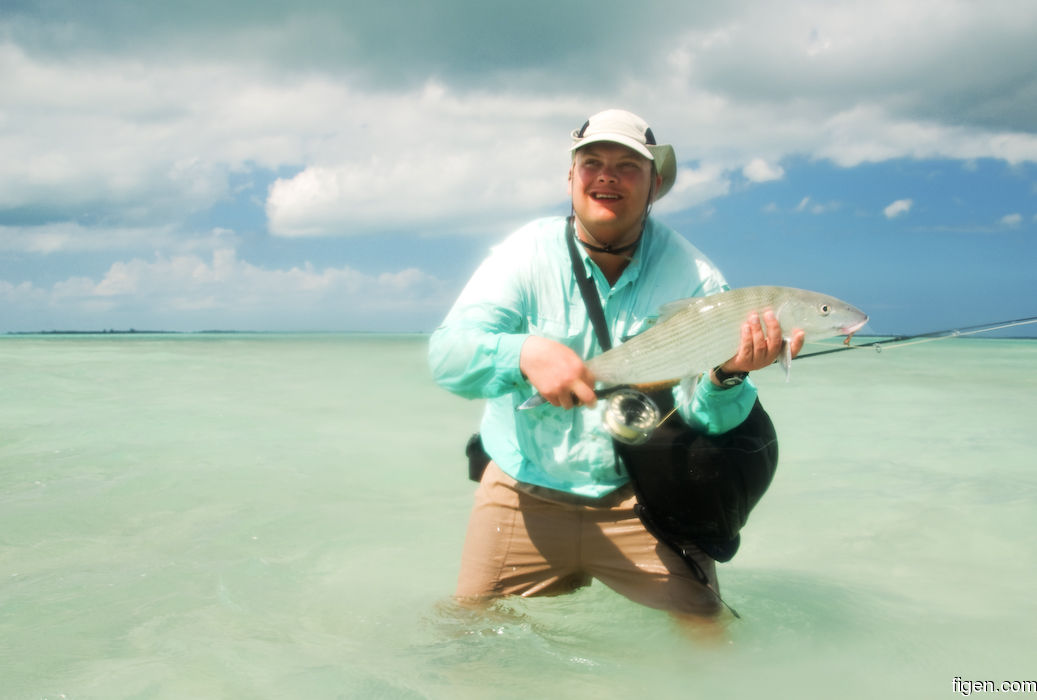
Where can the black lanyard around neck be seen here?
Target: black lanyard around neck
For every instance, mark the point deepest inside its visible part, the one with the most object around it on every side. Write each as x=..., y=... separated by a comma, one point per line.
x=588, y=289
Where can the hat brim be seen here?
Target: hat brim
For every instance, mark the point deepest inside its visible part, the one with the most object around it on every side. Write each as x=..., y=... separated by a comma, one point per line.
x=666, y=165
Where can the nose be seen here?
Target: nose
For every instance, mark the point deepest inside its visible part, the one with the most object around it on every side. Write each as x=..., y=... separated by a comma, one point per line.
x=607, y=174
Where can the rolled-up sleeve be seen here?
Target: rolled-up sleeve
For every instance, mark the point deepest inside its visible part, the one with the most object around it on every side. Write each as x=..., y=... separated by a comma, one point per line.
x=474, y=363
x=713, y=410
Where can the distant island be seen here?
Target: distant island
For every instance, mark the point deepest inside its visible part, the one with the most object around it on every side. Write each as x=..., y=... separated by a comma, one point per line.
x=134, y=331
x=885, y=337
x=114, y=331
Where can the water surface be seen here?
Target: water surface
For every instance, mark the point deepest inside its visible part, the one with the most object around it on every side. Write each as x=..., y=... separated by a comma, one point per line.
x=282, y=515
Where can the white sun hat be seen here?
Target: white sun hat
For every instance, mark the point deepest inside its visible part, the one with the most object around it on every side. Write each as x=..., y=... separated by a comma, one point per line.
x=630, y=130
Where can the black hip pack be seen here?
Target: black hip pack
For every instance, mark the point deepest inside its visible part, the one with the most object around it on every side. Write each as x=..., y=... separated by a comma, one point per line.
x=694, y=488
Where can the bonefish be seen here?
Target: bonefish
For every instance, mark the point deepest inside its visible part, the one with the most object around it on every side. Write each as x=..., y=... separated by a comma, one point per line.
x=694, y=335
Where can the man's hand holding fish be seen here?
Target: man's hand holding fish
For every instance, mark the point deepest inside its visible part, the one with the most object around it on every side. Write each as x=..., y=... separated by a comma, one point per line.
x=759, y=348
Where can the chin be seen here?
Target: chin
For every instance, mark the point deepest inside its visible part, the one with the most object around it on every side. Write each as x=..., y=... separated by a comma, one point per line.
x=599, y=216
x=608, y=225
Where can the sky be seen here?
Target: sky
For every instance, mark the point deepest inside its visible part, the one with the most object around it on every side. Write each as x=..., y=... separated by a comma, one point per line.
x=345, y=166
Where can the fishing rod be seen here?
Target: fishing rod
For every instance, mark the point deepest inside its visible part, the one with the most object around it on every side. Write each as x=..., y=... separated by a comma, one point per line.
x=902, y=340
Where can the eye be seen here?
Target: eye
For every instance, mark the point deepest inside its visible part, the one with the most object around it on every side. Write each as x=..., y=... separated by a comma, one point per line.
x=824, y=309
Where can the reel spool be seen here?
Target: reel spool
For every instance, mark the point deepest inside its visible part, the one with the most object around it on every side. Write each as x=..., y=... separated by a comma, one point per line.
x=631, y=416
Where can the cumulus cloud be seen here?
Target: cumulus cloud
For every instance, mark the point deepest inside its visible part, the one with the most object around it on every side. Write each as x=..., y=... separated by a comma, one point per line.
x=473, y=154
x=73, y=238
x=759, y=170
x=22, y=294
x=134, y=154
x=695, y=185
x=1012, y=220
x=133, y=131
x=140, y=142
x=184, y=288
x=897, y=208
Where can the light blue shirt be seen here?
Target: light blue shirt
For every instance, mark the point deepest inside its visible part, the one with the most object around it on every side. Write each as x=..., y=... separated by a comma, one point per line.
x=527, y=287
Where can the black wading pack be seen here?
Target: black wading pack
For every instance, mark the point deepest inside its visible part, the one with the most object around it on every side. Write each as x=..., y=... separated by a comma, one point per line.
x=694, y=488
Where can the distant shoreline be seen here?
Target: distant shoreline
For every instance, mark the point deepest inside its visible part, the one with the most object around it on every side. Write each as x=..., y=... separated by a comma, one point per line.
x=134, y=331
x=890, y=337
x=112, y=331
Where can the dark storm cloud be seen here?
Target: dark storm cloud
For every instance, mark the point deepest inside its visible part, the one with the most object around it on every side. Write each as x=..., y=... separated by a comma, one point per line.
x=388, y=43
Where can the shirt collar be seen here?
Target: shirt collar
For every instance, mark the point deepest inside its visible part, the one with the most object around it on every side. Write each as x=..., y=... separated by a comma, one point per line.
x=632, y=272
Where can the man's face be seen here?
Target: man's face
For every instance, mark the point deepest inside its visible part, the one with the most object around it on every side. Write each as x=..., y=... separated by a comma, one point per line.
x=609, y=184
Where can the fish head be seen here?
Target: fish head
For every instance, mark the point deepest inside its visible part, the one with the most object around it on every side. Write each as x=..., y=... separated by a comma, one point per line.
x=818, y=315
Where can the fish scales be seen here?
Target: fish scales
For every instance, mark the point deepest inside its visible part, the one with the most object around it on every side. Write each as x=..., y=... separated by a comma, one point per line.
x=705, y=333
x=702, y=332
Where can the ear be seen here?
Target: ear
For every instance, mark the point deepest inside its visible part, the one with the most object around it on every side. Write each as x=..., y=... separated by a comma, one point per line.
x=569, y=181
x=655, y=187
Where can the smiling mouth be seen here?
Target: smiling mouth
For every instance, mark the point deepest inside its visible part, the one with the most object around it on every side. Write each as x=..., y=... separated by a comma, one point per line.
x=605, y=196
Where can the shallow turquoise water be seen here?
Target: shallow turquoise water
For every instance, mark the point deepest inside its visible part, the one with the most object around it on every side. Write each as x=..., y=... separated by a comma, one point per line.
x=281, y=516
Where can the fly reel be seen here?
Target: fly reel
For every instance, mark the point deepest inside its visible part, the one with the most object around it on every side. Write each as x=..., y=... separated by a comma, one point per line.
x=631, y=416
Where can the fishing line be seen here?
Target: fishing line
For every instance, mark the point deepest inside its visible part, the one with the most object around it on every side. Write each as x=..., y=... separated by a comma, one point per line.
x=905, y=340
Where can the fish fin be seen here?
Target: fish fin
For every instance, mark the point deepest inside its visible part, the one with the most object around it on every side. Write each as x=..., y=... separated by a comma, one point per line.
x=786, y=356
x=532, y=402
x=672, y=308
x=690, y=383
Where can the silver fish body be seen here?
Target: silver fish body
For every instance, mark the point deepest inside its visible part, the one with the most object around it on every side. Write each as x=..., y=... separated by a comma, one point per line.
x=694, y=335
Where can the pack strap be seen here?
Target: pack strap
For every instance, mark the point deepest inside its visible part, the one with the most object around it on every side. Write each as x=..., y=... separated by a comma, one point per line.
x=588, y=289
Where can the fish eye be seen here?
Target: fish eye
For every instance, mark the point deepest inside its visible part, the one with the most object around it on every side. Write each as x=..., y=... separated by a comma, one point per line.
x=824, y=309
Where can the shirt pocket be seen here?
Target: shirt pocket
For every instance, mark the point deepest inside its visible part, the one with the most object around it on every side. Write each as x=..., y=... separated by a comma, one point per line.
x=562, y=331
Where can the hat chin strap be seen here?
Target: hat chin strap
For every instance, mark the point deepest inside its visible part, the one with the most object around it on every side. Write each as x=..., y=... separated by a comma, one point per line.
x=611, y=250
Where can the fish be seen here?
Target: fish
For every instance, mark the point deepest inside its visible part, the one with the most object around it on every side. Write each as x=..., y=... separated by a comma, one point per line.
x=694, y=335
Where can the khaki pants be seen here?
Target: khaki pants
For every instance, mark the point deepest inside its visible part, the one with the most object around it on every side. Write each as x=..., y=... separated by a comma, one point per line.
x=521, y=541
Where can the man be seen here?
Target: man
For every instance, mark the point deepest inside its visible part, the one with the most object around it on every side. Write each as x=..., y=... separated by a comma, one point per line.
x=554, y=509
